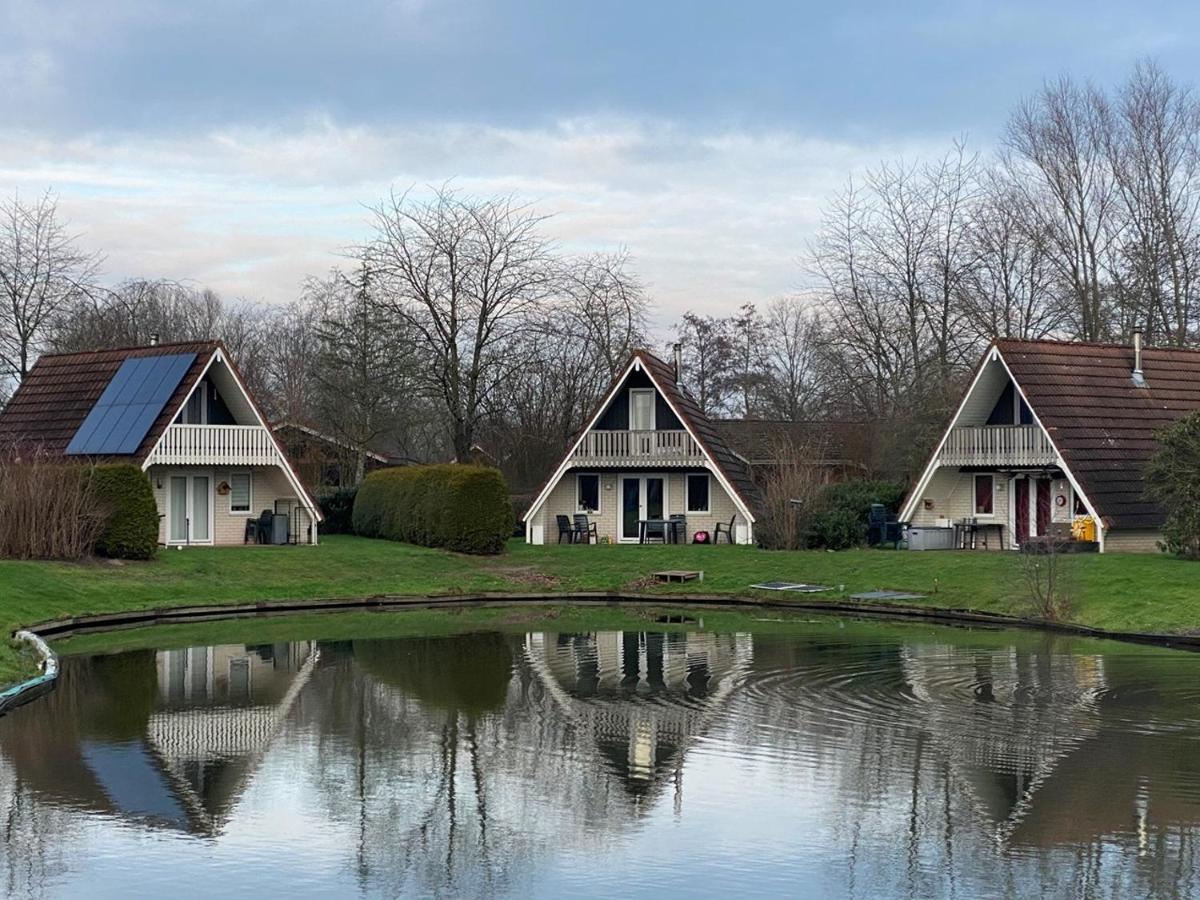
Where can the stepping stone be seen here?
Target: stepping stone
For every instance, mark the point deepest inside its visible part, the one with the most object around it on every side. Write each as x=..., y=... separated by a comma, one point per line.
x=887, y=595
x=798, y=587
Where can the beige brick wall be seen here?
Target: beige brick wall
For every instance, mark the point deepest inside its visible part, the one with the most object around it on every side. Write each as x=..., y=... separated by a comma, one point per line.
x=267, y=484
x=562, y=502
x=1132, y=541
x=953, y=496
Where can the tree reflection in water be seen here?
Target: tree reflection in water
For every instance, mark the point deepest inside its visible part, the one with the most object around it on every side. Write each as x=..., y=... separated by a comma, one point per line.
x=847, y=759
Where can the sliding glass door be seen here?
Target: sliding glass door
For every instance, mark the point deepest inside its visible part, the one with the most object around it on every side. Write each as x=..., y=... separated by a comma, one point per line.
x=189, y=509
x=642, y=497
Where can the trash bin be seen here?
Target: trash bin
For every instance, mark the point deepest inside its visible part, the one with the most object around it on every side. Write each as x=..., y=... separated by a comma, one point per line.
x=280, y=531
x=919, y=538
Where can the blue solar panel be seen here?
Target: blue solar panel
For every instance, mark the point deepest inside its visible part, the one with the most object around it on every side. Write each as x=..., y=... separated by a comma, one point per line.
x=129, y=405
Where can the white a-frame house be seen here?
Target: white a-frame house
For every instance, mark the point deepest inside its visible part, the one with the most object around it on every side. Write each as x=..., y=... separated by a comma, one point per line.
x=647, y=453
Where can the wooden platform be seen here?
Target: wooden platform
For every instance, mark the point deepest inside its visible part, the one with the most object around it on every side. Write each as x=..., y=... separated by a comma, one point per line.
x=679, y=575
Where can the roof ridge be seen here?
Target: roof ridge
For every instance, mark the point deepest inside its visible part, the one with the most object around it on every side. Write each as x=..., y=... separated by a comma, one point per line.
x=1110, y=345
x=209, y=342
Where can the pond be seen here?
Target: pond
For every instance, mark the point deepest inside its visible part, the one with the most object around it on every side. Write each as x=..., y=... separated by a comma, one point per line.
x=824, y=758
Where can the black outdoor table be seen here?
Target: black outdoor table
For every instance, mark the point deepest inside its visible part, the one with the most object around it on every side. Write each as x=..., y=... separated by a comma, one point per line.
x=670, y=529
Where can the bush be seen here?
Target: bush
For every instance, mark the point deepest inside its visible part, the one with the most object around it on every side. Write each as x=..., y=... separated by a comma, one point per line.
x=1173, y=481
x=465, y=508
x=125, y=500
x=337, y=506
x=46, y=510
x=843, y=510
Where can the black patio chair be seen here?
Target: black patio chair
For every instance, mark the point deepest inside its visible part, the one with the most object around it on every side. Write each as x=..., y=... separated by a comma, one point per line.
x=678, y=528
x=565, y=528
x=724, y=529
x=654, y=530
x=266, y=521
x=585, y=530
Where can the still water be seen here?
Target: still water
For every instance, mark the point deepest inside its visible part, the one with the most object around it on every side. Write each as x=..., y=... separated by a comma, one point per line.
x=839, y=759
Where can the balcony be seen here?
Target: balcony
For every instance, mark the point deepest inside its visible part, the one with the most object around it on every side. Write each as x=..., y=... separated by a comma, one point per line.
x=207, y=445
x=997, y=445
x=638, y=448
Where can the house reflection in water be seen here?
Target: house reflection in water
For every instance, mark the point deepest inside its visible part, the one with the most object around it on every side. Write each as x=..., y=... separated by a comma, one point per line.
x=168, y=738
x=640, y=698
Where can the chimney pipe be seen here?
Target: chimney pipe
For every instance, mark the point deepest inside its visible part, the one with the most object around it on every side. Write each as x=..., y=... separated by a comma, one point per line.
x=678, y=363
x=154, y=339
x=1138, y=376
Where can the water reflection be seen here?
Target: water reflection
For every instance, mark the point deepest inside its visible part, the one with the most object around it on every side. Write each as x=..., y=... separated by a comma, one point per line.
x=848, y=760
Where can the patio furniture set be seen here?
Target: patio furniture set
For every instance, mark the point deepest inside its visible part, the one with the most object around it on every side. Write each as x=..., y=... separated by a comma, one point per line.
x=672, y=530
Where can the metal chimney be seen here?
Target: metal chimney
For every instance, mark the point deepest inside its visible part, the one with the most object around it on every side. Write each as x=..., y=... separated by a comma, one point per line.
x=678, y=363
x=1138, y=376
x=154, y=339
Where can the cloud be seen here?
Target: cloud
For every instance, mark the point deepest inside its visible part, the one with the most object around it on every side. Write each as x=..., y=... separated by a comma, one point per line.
x=713, y=218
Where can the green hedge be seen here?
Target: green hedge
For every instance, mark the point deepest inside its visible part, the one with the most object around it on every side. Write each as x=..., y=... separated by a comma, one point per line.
x=337, y=506
x=844, y=508
x=464, y=508
x=125, y=499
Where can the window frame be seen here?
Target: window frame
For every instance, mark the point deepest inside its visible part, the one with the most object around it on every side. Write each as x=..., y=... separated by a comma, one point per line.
x=579, y=510
x=687, y=493
x=653, y=408
x=249, y=492
x=990, y=514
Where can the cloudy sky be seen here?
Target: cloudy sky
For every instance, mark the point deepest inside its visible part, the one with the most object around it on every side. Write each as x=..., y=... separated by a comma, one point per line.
x=235, y=143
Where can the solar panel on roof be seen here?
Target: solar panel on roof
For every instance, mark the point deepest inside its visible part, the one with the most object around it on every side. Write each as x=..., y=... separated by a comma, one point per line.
x=129, y=405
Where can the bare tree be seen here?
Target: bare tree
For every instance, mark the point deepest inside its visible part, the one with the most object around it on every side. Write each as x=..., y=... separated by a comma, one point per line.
x=1054, y=153
x=707, y=351
x=364, y=364
x=464, y=274
x=42, y=273
x=608, y=307
x=793, y=346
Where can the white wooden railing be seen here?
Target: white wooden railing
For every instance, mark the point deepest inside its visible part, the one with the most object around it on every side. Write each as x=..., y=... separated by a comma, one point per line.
x=239, y=445
x=997, y=445
x=656, y=447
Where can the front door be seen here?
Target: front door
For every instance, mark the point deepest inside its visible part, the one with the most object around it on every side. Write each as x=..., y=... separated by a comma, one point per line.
x=1031, y=507
x=189, y=509
x=642, y=497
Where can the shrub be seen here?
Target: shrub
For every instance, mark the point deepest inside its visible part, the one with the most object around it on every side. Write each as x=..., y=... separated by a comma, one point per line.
x=123, y=496
x=465, y=508
x=1173, y=481
x=841, y=520
x=47, y=510
x=337, y=506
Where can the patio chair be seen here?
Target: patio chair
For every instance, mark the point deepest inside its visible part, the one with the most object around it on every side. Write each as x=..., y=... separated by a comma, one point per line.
x=585, y=530
x=724, y=529
x=265, y=522
x=678, y=528
x=654, y=530
x=565, y=528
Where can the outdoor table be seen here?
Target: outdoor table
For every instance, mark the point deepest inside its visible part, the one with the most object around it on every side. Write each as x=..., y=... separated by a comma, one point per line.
x=670, y=529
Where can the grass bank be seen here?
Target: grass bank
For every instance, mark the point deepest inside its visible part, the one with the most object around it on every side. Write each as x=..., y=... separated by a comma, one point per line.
x=1117, y=592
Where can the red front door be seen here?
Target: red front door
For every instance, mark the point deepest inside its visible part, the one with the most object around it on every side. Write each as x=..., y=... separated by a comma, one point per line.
x=1022, y=511
x=1043, y=507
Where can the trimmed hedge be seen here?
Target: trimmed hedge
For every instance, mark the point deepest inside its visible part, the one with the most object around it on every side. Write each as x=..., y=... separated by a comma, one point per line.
x=464, y=508
x=337, y=506
x=122, y=493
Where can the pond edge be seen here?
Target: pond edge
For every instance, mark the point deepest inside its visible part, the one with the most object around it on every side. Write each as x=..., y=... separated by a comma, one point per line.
x=31, y=688
x=65, y=627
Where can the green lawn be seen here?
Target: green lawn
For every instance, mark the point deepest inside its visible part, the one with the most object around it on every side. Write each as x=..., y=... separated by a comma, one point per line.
x=1133, y=593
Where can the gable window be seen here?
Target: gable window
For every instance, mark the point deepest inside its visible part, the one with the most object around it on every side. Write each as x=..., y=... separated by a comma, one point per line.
x=195, y=411
x=641, y=409
x=984, y=495
x=239, y=492
x=587, y=493
x=697, y=493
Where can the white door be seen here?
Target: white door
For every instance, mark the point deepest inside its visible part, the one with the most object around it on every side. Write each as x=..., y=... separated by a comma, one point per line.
x=189, y=509
x=642, y=497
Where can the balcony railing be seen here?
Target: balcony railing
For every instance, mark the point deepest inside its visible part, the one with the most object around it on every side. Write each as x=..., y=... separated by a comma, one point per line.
x=997, y=445
x=235, y=445
x=660, y=448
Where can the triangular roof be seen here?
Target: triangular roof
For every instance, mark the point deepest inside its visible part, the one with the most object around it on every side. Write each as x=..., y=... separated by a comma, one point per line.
x=729, y=468
x=1099, y=419
x=60, y=390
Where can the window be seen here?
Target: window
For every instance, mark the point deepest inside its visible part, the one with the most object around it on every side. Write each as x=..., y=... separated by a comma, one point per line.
x=587, y=493
x=641, y=409
x=984, y=495
x=239, y=492
x=195, y=410
x=697, y=493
